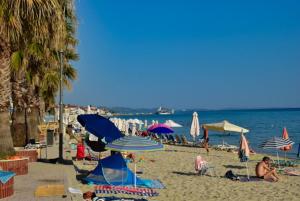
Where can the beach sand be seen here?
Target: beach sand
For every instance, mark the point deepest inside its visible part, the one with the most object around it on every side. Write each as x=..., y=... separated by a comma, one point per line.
x=174, y=167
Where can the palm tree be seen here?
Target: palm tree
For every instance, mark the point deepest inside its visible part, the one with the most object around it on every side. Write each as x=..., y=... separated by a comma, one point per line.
x=21, y=23
x=44, y=82
x=6, y=144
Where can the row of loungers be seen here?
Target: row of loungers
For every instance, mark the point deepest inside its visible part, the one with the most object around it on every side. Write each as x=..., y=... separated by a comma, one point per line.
x=175, y=140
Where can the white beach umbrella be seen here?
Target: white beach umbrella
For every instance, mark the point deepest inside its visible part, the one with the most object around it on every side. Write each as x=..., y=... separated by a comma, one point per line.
x=156, y=122
x=195, y=128
x=124, y=125
x=173, y=124
x=145, y=124
x=133, y=130
x=126, y=128
x=131, y=121
x=120, y=124
x=137, y=121
x=225, y=126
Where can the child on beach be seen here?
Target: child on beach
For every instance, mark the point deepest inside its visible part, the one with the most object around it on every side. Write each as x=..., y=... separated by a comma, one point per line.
x=200, y=165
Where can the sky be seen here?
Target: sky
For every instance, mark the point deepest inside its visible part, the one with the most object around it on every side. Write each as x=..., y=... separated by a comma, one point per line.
x=187, y=54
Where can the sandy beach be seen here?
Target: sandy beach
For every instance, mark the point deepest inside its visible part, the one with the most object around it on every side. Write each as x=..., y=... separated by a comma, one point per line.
x=174, y=167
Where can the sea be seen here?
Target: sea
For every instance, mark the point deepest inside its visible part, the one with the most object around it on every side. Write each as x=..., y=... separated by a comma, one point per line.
x=262, y=123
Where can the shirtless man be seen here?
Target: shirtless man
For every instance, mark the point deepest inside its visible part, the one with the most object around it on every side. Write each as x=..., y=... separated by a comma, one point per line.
x=264, y=171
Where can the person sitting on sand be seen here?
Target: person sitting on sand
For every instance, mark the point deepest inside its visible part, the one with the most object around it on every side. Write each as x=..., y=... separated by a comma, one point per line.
x=264, y=171
x=200, y=165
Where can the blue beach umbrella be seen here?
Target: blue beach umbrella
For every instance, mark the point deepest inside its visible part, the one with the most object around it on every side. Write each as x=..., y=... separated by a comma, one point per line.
x=134, y=144
x=99, y=126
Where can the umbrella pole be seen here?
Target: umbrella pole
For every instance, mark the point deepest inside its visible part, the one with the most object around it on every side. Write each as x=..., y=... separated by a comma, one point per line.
x=278, y=160
x=134, y=174
x=285, y=156
x=247, y=171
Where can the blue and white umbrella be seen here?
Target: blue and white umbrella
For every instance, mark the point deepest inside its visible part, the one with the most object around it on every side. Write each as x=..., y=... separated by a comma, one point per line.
x=134, y=144
x=276, y=143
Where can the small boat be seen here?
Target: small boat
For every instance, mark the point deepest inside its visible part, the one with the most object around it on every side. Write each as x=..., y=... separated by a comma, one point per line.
x=164, y=111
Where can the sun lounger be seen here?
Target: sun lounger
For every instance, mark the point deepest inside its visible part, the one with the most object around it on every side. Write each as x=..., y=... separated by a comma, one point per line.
x=178, y=140
x=185, y=141
x=172, y=139
x=199, y=143
x=164, y=138
x=91, y=155
x=226, y=147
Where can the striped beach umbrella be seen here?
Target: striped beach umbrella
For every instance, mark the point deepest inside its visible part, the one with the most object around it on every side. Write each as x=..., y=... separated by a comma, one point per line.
x=134, y=144
x=276, y=143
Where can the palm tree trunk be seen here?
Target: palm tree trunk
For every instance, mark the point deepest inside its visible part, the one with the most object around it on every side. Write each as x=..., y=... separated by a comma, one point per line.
x=6, y=143
x=18, y=128
x=32, y=122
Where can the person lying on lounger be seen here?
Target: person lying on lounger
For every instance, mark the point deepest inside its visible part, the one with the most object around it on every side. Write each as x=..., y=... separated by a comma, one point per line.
x=264, y=171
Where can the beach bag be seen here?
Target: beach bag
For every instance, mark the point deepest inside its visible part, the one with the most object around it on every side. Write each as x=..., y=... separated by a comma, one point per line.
x=230, y=175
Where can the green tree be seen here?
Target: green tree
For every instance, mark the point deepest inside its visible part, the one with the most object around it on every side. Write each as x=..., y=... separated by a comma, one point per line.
x=22, y=23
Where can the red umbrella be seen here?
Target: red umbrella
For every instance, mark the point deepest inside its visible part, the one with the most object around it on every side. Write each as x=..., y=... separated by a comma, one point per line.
x=285, y=135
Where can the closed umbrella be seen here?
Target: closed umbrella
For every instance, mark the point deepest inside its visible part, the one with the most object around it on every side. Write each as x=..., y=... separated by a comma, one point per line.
x=195, y=128
x=126, y=128
x=133, y=130
x=276, y=143
x=285, y=135
x=146, y=124
x=244, y=152
x=134, y=144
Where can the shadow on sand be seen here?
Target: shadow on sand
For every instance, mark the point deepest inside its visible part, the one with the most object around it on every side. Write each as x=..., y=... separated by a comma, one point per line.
x=235, y=166
x=56, y=161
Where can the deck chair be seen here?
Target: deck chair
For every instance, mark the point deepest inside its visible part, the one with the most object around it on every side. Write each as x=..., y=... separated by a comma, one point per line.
x=164, y=138
x=171, y=139
x=92, y=155
x=178, y=140
x=185, y=141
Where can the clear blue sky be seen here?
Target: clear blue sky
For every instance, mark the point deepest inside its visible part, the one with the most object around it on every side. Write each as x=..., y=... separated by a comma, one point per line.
x=187, y=54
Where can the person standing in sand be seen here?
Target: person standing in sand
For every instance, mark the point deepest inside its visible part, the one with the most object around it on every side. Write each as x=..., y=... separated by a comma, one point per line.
x=264, y=171
x=206, y=139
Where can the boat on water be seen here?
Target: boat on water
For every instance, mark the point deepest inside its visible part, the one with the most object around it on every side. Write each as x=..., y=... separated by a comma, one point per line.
x=164, y=111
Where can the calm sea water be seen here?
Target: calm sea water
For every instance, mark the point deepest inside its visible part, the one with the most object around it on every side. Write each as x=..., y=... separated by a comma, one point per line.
x=263, y=124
